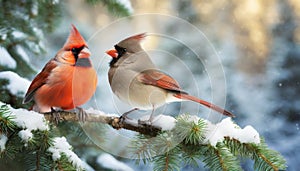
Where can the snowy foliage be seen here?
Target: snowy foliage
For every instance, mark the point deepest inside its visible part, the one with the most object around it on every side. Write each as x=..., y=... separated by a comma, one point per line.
x=214, y=133
x=227, y=128
x=6, y=59
x=29, y=123
x=22, y=52
x=3, y=140
x=25, y=135
x=29, y=120
x=16, y=84
x=61, y=146
x=126, y=4
x=109, y=162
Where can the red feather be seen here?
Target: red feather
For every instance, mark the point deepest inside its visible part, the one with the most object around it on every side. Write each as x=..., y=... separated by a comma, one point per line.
x=205, y=103
x=39, y=80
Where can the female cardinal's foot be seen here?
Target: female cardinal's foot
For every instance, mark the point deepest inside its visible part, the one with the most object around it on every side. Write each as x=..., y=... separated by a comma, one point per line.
x=82, y=115
x=124, y=116
x=149, y=121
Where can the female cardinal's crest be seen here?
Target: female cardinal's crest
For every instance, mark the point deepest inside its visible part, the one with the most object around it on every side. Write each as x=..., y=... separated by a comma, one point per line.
x=74, y=39
x=139, y=36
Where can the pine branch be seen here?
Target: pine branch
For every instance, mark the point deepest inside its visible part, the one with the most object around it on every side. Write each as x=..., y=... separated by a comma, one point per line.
x=185, y=143
x=113, y=121
x=264, y=158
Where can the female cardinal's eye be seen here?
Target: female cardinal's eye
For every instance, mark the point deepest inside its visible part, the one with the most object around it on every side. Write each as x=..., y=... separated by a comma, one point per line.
x=120, y=50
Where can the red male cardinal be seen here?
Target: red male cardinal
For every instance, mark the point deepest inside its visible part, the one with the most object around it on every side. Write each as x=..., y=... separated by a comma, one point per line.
x=135, y=79
x=67, y=81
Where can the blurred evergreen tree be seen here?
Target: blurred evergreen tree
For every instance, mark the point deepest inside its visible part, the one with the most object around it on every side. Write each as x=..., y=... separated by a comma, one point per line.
x=287, y=53
x=23, y=26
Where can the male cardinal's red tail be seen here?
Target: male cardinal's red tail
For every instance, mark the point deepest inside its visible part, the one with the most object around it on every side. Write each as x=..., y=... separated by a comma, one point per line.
x=205, y=103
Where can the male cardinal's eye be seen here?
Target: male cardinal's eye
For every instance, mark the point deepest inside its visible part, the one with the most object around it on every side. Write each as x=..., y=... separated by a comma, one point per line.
x=76, y=51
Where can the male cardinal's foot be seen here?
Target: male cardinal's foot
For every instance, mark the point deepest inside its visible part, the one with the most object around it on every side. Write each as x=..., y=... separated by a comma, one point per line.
x=124, y=116
x=55, y=115
x=82, y=115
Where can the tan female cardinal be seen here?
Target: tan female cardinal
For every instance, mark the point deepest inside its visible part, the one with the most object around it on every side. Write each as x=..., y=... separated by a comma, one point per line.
x=67, y=81
x=134, y=79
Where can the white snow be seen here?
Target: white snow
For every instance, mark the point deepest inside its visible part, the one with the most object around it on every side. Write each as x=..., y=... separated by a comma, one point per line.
x=25, y=135
x=109, y=162
x=3, y=35
x=86, y=166
x=227, y=128
x=3, y=140
x=34, y=9
x=29, y=120
x=6, y=59
x=60, y=145
x=22, y=53
x=193, y=118
x=98, y=112
x=164, y=121
x=19, y=35
x=16, y=83
x=127, y=5
x=55, y=1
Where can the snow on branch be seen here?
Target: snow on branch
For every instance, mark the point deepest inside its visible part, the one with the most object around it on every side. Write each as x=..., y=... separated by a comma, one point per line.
x=112, y=120
x=215, y=132
x=221, y=143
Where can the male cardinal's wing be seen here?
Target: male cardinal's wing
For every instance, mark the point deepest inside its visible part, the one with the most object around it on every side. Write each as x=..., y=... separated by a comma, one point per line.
x=159, y=79
x=39, y=80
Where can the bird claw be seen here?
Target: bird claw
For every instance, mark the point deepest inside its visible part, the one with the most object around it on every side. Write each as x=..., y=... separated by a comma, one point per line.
x=147, y=122
x=124, y=116
x=55, y=115
x=82, y=115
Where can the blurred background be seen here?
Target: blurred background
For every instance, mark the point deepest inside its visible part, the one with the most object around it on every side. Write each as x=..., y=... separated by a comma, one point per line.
x=243, y=55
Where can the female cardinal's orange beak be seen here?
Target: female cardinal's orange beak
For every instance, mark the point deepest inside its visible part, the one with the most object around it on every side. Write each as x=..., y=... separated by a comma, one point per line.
x=113, y=53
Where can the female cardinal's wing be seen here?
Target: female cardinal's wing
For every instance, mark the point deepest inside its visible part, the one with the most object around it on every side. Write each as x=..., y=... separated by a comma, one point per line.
x=39, y=80
x=159, y=79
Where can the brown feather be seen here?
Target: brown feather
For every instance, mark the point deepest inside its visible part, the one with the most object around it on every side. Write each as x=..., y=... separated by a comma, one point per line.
x=159, y=79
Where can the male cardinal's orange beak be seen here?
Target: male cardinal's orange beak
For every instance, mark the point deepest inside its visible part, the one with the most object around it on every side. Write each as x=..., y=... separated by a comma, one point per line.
x=113, y=53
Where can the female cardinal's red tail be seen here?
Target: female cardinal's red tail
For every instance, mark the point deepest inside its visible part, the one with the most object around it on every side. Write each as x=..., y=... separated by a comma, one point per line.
x=205, y=103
